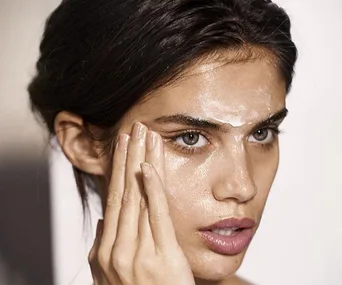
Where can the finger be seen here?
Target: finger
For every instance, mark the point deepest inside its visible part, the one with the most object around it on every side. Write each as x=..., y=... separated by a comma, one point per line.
x=114, y=198
x=95, y=247
x=92, y=257
x=130, y=209
x=97, y=272
x=146, y=242
x=155, y=153
x=159, y=216
x=155, y=156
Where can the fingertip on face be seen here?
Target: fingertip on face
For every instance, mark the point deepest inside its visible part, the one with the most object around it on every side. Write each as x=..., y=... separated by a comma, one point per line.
x=139, y=130
x=122, y=142
x=141, y=139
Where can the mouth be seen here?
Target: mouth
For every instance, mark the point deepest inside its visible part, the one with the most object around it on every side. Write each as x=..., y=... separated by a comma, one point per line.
x=230, y=236
x=227, y=231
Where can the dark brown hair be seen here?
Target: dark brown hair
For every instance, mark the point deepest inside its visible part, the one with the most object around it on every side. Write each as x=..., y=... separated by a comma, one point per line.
x=99, y=57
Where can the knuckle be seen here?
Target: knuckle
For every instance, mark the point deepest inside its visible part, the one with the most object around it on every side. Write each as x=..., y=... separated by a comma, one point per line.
x=156, y=218
x=103, y=257
x=120, y=263
x=131, y=155
x=114, y=198
x=145, y=265
x=119, y=166
x=128, y=197
x=91, y=256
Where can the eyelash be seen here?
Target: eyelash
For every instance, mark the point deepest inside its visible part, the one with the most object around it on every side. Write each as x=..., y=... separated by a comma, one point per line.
x=192, y=150
x=189, y=150
x=268, y=146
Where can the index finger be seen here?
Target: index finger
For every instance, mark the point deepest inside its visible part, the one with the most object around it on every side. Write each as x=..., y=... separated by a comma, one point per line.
x=115, y=192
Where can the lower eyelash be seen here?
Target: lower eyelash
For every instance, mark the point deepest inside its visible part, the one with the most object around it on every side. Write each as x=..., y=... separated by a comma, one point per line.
x=268, y=146
x=193, y=150
x=271, y=145
x=187, y=150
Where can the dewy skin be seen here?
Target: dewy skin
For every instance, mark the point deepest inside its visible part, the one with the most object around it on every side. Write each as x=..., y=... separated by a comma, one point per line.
x=218, y=185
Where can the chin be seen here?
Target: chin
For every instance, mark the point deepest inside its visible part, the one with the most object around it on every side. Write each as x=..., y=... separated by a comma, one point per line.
x=216, y=267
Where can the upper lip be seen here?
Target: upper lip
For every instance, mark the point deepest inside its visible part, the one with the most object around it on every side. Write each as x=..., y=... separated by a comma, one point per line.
x=244, y=223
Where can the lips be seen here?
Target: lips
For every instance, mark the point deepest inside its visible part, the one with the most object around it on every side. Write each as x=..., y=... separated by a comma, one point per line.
x=230, y=236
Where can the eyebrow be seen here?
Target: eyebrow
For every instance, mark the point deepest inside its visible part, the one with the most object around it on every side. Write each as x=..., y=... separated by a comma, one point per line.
x=190, y=121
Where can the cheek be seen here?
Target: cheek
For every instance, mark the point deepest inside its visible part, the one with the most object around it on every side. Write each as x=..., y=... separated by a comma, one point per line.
x=189, y=181
x=187, y=186
x=265, y=166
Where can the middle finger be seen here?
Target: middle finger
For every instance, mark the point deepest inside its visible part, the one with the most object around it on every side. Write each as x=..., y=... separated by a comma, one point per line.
x=129, y=216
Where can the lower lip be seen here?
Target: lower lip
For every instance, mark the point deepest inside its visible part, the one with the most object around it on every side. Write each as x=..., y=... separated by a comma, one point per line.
x=228, y=245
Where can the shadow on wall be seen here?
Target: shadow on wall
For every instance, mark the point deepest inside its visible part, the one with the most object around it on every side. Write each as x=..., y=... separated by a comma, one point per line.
x=25, y=240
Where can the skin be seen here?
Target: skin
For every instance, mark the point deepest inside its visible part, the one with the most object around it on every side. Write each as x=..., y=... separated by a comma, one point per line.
x=227, y=173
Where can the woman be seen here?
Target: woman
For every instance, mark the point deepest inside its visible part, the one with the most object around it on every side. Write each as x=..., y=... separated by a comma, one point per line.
x=171, y=111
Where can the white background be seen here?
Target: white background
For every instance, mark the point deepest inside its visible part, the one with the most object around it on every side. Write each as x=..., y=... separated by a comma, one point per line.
x=299, y=241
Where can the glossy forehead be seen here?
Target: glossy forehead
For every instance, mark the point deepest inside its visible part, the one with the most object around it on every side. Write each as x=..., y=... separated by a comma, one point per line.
x=216, y=88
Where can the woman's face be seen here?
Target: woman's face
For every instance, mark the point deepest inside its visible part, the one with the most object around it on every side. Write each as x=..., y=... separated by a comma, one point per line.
x=219, y=124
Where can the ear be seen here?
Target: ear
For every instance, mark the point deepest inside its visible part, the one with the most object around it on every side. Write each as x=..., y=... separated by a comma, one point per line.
x=82, y=151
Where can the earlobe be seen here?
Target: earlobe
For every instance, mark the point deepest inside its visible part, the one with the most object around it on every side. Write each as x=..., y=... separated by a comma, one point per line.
x=80, y=149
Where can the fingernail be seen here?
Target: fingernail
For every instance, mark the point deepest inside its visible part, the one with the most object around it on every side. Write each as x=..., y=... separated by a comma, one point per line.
x=146, y=170
x=151, y=140
x=123, y=142
x=138, y=130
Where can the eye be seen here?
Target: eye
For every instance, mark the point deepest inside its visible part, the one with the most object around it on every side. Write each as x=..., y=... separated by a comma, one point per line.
x=191, y=140
x=263, y=136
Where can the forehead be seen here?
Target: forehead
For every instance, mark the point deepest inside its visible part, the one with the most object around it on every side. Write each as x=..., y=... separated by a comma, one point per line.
x=216, y=90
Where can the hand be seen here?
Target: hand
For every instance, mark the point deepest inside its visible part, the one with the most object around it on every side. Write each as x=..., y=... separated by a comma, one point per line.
x=136, y=242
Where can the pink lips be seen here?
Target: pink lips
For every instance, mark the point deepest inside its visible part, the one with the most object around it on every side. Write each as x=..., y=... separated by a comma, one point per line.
x=232, y=244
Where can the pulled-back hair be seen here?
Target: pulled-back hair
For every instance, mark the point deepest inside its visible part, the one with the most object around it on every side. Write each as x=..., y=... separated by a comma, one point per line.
x=100, y=57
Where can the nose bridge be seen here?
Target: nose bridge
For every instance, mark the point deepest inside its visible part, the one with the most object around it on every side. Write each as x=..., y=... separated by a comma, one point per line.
x=236, y=180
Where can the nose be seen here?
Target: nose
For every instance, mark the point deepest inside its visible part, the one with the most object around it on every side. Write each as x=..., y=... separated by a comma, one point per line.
x=234, y=179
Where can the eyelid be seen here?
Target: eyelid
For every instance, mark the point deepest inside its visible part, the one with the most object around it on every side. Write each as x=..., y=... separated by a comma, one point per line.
x=265, y=146
x=179, y=133
x=273, y=126
x=200, y=132
x=274, y=129
x=270, y=121
x=189, y=149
